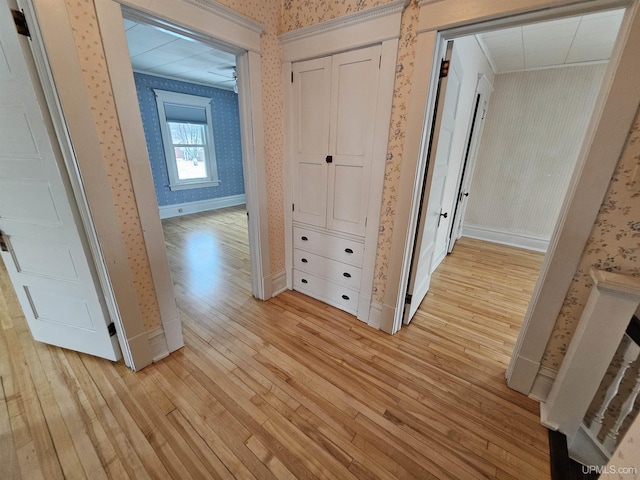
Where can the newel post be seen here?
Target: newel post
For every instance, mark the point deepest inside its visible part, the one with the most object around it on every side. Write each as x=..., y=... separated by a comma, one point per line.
x=613, y=300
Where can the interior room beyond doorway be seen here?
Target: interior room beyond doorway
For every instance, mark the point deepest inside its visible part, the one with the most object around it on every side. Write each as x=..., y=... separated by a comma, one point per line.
x=510, y=164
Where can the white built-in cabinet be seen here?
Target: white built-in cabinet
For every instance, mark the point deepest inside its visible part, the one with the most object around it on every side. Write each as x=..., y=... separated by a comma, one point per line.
x=334, y=106
x=338, y=79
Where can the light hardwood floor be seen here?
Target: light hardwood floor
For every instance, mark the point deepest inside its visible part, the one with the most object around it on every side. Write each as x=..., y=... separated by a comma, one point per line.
x=289, y=388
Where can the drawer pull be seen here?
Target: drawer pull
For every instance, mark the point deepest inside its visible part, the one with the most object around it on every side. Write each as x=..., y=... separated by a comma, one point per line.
x=304, y=280
x=304, y=239
x=348, y=250
x=304, y=260
x=345, y=297
x=346, y=274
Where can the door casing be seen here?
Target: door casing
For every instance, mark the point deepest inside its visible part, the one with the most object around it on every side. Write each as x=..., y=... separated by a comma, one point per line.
x=612, y=119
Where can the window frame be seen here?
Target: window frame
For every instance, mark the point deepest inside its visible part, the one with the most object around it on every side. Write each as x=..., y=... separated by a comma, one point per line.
x=163, y=98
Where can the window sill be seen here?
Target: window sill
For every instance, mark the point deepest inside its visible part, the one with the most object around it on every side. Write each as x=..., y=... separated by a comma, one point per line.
x=190, y=185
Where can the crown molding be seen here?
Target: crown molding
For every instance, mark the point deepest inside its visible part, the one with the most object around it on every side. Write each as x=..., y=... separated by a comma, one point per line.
x=228, y=14
x=369, y=14
x=373, y=25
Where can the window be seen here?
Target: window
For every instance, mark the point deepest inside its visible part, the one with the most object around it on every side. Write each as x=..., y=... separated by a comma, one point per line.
x=187, y=134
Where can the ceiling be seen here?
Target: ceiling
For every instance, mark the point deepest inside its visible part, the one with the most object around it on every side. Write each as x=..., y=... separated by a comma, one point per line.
x=567, y=41
x=166, y=54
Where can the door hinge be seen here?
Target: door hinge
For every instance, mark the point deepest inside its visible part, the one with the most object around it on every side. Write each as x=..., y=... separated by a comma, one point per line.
x=407, y=298
x=444, y=68
x=291, y=77
x=293, y=207
x=21, y=22
x=112, y=329
x=379, y=62
x=3, y=242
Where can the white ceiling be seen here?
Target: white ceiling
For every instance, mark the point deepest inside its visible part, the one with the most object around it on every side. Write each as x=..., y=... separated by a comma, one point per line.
x=567, y=41
x=166, y=54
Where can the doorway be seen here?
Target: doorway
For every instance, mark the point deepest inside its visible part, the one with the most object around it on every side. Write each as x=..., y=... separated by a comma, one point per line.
x=188, y=96
x=491, y=178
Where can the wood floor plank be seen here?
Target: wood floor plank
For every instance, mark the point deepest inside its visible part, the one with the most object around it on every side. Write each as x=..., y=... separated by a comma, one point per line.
x=283, y=389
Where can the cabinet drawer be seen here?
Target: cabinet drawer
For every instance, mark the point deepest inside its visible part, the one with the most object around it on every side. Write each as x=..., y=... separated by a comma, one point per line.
x=336, y=248
x=337, y=272
x=337, y=295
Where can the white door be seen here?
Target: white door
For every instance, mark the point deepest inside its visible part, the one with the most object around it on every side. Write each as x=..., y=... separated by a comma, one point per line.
x=353, y=110
x=437, y=169
x=443, y=160
x=334, y=104
x=43, y=247
x=483, y=92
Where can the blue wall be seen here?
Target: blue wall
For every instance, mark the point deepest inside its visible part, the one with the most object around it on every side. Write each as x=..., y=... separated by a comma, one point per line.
x=226, y=136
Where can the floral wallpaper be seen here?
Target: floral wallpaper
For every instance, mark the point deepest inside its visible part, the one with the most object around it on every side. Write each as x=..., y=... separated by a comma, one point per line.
x=614, y=245
x=82, y=16
x=301, y=13
x=625, y=462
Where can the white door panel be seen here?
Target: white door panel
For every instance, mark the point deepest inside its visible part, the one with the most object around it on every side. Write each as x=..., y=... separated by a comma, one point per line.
x=311, y=107
x=424, y=258
x=44, y=251
x=353, y=107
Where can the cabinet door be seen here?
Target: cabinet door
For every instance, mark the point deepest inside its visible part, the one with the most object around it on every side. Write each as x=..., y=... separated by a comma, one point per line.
x=310, y=125
x=354, y=91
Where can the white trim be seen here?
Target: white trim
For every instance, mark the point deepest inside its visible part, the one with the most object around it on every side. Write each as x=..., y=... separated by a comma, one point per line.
x=278, y=283
x=463, y=15
x=204, y=20
x=348, y=32
x=504, y=237
x=254, y=166
x=164, y=97
x=542, y=384
x=228, y=14
x=355, y=31
x=389, y=58
x=158, y=344
x=187, y=208
x=375, y=315
x=68, y=79
x=111, y=24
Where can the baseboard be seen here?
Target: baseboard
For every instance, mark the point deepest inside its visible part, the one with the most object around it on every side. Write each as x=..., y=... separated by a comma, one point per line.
x=158, y=344
x=542, y=384
x=178, y=209
x=278, y=283
x=375, y=315
x=495, y=235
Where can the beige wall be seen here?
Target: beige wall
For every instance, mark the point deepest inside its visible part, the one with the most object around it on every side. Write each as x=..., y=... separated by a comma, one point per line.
x=617, y=224
x=535, y=127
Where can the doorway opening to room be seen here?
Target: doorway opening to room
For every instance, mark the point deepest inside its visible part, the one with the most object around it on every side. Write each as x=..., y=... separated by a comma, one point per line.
x=188, y=97
x=512, y=110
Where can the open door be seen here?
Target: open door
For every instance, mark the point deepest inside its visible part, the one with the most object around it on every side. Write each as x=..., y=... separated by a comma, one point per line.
x=443, y=124
x=44, y=247
x=483, y=92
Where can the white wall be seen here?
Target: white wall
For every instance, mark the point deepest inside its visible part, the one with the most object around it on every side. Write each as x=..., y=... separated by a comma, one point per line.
x=474, y=63
x=533, y=132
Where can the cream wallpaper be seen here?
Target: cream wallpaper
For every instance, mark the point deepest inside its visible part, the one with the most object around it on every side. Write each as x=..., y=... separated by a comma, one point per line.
x=82, y=16
x=614, y=245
